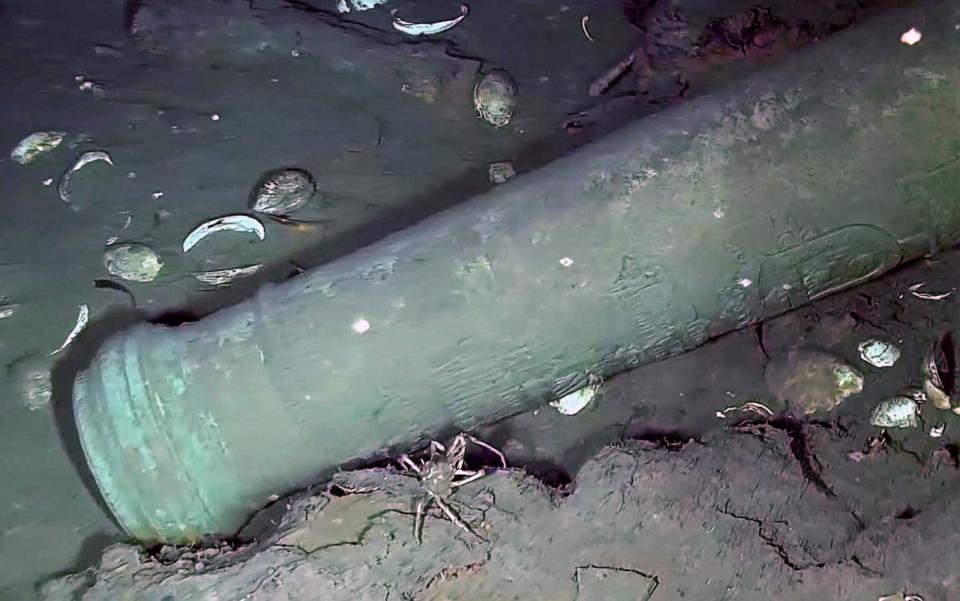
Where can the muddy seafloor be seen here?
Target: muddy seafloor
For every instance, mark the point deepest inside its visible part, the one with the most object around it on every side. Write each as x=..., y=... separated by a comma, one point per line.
x=207, y=96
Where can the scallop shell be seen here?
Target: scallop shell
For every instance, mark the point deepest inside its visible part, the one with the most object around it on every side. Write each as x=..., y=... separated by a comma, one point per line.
x=495, y=96
x=132, y=262
x=282, y=191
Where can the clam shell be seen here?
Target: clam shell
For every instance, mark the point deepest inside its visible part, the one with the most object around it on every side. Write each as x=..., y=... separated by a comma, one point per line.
x=576, y=401
x=132, y=262
x=282, y=191
x=898, y=412
x=36, y=144
x=495, y=96
x=879, y=353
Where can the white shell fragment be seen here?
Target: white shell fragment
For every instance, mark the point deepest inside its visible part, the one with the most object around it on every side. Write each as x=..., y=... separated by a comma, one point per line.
x=576, y=401
x=36, y=144
x=82, y=318
x=901, y=597
x=63, y=189
x=220, y=277
x=8, y=309
x=419, y=29
x=933, y=388
x=228, y=223
x=748, y=407
x=911, y=36
x=90, y=157
x=132, y=262
x=915, y=290
x=360, y=326
x=346, y=6
x=878, y=353
x=898, y=412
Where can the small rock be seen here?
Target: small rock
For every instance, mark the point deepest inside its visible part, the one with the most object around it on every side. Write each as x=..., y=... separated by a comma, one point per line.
x=32, y=379
x=811, y=380
x=95, y=88
x=107, y=50
x=426, y=88
x=501, y=171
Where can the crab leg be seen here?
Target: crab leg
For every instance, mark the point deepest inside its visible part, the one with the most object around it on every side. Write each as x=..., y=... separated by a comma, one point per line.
x=490, y=448
x=418, y=522
x=473, y=476
x=452, y=516
x=408, y=463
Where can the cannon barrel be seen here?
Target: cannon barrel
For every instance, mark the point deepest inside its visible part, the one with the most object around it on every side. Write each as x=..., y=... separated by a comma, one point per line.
x=827, y=169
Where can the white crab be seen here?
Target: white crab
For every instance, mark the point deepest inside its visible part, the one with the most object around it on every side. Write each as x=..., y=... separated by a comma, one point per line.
x=441, y=475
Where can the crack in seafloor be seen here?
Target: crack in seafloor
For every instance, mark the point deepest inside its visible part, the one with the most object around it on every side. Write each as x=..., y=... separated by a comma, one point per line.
x=769, y=540
x=653, y=578
x=805, y=457
x=785, y=558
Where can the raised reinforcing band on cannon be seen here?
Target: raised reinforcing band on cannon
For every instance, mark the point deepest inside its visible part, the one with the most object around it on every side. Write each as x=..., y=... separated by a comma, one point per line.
x=829, y=168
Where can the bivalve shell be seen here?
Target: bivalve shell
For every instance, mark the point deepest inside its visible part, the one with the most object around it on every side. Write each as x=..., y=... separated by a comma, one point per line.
x=879, y=353
x=132, y=262
x=282, y=191
x=495, y=97
x=898, y=412
x=35, y=145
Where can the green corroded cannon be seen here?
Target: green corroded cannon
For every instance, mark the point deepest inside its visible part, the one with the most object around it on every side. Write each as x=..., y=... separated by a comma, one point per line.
x=832, y=167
